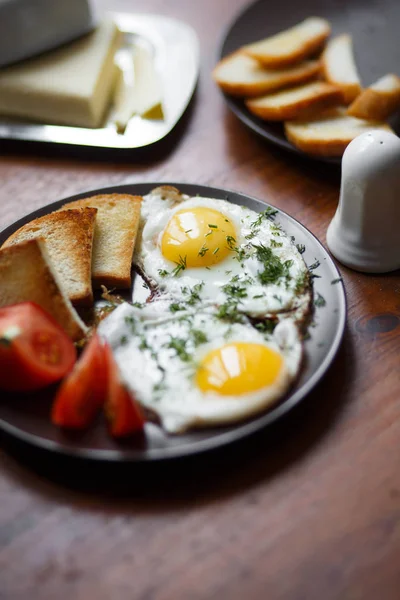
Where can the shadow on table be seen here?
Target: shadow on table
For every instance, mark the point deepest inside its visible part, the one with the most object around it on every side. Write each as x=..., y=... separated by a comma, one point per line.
x=300, y=163
x=199, y=479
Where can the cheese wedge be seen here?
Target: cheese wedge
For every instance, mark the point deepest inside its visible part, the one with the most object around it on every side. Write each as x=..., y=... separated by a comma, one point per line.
x=290, y=46
x=71, y=85
x=330, y=133
x=139, y=89
x=241, y=75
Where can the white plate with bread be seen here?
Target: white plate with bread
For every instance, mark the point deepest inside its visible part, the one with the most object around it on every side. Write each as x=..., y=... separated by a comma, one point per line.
x=60, y=255
x=310, y=77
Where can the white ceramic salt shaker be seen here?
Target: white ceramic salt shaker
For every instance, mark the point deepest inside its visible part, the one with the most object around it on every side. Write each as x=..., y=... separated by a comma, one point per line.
x=364, y=234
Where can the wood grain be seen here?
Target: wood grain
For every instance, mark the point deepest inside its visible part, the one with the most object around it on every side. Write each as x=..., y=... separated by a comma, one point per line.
x=309, y=511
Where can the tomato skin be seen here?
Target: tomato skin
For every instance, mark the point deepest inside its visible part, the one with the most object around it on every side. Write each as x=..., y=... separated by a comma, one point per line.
x=82, y=394
x=34, y=350
x=123, y=414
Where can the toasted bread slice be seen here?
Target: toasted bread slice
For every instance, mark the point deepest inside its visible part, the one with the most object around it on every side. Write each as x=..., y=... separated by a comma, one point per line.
x=27, y=275
x=330, y=133
x=117, y=223
x=69, y=239
x=292, y=45
x=378, y=101
x=295, y=102
x=241, y=75
x=339, y=67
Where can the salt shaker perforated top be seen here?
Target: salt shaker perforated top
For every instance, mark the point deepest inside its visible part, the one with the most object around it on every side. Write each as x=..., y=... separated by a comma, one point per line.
x=364, y=234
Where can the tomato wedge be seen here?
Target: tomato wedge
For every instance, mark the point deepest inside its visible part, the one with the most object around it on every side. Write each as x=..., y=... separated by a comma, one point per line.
x=83, y=392
x=34, y=350
x=123, y=414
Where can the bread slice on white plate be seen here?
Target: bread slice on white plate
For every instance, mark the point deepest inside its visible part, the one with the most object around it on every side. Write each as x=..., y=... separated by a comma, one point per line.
x=243, y=76
x=379, y=100
x=117, y=223
x=306, y=99
x=292, y=45
x=330, y=133
x=27, y=275
x=69, y=239
x=339, y=67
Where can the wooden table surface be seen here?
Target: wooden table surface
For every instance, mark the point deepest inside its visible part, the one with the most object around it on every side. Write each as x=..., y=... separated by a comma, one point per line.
x=311, y=509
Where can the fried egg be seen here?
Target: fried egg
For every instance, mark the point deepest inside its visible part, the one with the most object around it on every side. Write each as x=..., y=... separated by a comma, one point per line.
x=203, y=250
x=196, y=370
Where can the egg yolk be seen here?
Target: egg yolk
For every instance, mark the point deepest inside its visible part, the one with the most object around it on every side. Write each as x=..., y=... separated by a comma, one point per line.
x=200, y=236
x=238, y=368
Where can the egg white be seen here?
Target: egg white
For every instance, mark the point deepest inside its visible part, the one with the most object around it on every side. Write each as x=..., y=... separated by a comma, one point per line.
x=164, y=383
x=261, y=299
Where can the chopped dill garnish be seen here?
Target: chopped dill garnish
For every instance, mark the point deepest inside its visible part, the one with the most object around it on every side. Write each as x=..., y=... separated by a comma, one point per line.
x=138, y=304
x=179, y=345
x=274, y=269
x=240, y=253
x=213, y=226
x=234, y=291
x=275, y=244
x=268, y=213
x=229, y=312
x=301, y=283
x=175, y=306
x=276, y=229
x=194, y=294
x=129, y=320
x=266, y=326
x=301, y=248
x=203, y=250
x=209, y=233
x=180, y=266
x=258, y=296
x=319, y=300
x=124, y=340
x=188, y=230
x=338, y=280
x=230, y=240
x=216, y=250
x=198, y=336
x=143, y=343
x=314, y=266
x=163, y=272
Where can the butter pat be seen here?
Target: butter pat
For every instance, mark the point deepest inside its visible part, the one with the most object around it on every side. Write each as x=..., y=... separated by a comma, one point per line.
x=71, y=85
x=139, y=89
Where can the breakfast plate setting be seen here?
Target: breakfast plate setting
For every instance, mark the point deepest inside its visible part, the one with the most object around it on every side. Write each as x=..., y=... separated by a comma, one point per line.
x=232, y=313
x=199, y=299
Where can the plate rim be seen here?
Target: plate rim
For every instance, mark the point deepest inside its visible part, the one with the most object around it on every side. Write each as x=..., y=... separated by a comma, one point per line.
x=239, y=431
x=245, y=117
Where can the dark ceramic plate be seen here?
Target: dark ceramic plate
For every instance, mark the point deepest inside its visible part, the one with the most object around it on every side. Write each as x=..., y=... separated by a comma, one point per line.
x=27, y=418
x=373, y=26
